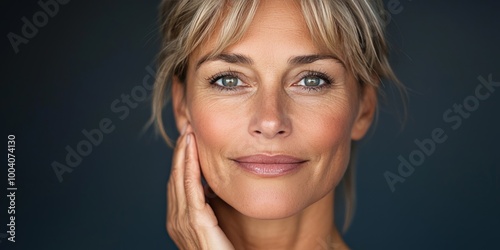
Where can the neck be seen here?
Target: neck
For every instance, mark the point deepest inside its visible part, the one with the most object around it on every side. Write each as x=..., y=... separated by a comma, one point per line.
x=312, y=228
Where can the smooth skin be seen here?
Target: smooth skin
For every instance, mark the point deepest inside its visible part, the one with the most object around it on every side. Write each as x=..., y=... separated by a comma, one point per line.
x=271, y=103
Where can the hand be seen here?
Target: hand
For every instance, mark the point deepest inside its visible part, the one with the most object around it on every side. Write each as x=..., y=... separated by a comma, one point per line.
x=191, y=222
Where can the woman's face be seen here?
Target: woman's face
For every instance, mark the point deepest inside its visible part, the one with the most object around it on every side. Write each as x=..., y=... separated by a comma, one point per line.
x=273, y=116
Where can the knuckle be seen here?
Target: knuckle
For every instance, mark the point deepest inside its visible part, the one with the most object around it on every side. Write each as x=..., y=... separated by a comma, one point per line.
x=188, y=160
x=175, y=173
x=188, y=183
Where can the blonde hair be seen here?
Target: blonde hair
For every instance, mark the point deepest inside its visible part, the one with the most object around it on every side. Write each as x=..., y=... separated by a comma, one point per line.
x=353, y=29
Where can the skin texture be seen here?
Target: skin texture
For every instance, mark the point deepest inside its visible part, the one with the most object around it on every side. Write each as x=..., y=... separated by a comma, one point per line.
x=269, y=112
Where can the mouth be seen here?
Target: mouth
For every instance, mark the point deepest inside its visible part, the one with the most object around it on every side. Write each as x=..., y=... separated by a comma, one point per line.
x=270, y=166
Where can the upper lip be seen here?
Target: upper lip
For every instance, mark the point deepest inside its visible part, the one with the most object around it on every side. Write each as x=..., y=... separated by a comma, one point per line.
x=269, y=159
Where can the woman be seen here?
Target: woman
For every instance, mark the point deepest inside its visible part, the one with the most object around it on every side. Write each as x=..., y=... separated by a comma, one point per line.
x=269, y=97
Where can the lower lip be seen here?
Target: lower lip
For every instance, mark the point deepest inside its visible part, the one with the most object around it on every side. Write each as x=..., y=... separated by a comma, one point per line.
x=270, y=170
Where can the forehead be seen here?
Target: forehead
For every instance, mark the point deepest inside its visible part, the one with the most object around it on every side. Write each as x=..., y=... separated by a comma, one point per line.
x=275, y=22
x=279, y=15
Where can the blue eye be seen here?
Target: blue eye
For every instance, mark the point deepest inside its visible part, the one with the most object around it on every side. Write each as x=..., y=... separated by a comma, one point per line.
x=315, y=80
x=312, y=81
x=228, y=81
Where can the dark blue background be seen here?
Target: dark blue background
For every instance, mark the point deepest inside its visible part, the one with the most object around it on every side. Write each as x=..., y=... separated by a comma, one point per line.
x=91, y=52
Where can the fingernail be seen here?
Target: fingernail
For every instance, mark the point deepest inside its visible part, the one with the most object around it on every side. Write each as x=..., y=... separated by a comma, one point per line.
x=188, y=139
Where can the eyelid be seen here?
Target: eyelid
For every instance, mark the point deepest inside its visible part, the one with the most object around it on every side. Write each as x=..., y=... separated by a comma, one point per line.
x=212, y=79
x=323, y=75
x=329, y=81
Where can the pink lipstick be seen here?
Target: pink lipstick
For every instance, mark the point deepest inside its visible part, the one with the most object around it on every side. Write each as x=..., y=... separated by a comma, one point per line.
x=270, y=166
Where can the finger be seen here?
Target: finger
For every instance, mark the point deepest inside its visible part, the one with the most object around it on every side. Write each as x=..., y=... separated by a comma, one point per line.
x=179, y=151
x=176, y=201
x=176, y=181
x=192, y=176
x=172, y=200
x=171, y=209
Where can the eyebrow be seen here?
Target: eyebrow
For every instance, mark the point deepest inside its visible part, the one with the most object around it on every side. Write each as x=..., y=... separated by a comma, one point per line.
x=229, y=58
x=242, y=59
x=298, y=60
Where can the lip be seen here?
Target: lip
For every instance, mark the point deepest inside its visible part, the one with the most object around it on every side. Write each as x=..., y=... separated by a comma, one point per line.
x=270, y=165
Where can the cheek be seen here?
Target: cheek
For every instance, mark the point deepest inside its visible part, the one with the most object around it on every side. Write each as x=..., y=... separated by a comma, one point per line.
x=326, y=131
x=325, y=125
x=216, y=128
x=215, y=121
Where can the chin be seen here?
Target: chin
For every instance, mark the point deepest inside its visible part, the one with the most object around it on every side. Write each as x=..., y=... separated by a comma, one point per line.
x=267, y=208
x=268, y=199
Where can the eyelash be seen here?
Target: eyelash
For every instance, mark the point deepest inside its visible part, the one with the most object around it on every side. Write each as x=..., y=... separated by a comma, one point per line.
x=220, y=75
x=329, y=81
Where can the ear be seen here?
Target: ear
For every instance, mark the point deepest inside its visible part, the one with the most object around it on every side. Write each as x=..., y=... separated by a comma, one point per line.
x=179, y=103
x=366, y=112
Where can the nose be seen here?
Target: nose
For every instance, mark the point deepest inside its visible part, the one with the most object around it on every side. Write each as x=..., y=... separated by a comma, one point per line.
x=270, y=117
